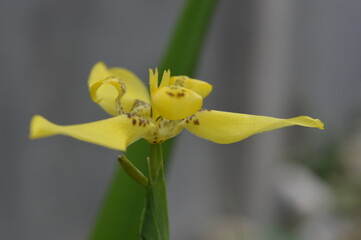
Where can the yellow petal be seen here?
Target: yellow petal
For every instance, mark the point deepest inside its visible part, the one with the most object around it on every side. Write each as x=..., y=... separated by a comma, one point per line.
x=153, y=81
x=118, y=85
x=198, y=86
x=176, y=102
x=226, y=127
x=98, y=72
x=108, y=93
x=165, y=79
x=135, y=88
x=116, y=133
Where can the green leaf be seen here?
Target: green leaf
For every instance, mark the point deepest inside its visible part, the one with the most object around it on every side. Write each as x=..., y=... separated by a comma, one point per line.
x=187, y=41
x=120, y=214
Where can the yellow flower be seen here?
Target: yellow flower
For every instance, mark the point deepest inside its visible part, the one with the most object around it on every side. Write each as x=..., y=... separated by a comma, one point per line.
x=173, y=105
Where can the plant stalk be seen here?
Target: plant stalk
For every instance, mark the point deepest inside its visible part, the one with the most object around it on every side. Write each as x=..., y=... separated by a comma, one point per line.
x=155, y=225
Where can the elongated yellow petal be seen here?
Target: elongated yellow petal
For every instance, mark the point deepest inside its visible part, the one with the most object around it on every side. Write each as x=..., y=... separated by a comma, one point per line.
x=116, y=133
x=108, y=93
x=176, y=102
x=226, y=127
x=198, y=86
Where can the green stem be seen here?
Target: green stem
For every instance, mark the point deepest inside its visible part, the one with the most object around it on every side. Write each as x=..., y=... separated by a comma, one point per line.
x=156, y=160
x=155, y=216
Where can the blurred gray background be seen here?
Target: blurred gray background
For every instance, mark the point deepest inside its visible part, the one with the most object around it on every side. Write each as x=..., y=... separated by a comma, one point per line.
x=280, y=58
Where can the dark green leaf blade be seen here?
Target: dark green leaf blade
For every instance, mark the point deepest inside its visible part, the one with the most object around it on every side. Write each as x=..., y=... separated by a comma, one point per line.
x=119, y=216
x=187, y=40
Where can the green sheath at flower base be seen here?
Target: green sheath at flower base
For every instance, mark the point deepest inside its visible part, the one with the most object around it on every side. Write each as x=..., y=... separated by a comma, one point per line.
x=173, y=105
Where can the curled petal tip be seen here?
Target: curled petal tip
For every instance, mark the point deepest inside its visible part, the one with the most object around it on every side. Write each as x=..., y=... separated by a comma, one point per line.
x=310, y=122
x=96, y=99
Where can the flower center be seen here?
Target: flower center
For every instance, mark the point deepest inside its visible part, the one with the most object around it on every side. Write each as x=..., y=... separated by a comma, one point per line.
x=174, y=101
x=165, y=128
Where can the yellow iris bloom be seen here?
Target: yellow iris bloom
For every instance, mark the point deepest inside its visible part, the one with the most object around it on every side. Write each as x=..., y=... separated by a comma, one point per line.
x=173, y=105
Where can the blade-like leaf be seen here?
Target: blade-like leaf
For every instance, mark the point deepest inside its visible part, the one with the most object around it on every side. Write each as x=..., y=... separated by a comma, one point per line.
x=185, y=47
x=124, y=203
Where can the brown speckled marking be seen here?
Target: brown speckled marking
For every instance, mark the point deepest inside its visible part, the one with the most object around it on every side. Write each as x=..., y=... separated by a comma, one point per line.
x=129, y=115
x=180, y=94
x=134, y=121
x=170, y=94
x=196, y=122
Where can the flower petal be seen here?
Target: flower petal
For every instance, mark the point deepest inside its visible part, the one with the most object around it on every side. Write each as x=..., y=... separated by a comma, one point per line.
x=198, y=86
x=135, y=88
x=108, y=93
x=226, y=127
x=98, y=72
x=165, y=79
x=116, y=133
x=153, y=81
x=118, y=85
x=175, y=102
